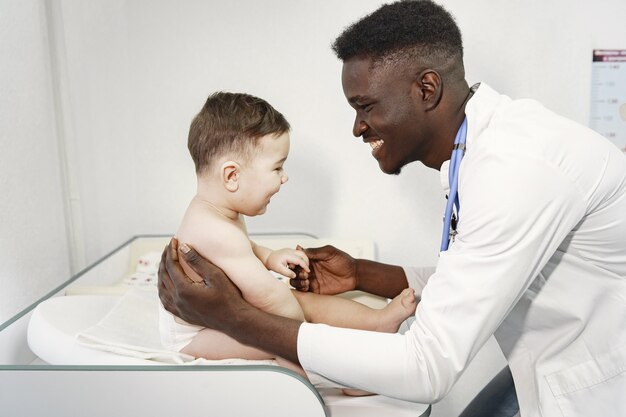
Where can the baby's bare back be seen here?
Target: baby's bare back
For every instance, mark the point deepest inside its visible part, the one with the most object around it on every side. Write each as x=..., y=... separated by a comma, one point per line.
x=225, y=243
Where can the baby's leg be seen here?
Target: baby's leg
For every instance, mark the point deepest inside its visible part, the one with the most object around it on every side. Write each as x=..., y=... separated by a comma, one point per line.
x=292, y=366
x=214, y=345
x=341, y=312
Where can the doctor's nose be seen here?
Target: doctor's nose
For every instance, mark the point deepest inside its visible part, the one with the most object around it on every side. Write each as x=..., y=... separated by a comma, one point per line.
x=359, y=127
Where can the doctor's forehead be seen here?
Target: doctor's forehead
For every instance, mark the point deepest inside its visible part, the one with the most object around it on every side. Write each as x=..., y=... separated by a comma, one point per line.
x=356, y=77
x=362, y=78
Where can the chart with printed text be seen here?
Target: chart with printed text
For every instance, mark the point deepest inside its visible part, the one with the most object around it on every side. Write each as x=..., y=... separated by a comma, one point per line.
x=608, y=95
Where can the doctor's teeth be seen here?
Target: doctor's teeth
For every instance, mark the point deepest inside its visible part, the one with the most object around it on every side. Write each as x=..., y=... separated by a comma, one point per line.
x=376, y=144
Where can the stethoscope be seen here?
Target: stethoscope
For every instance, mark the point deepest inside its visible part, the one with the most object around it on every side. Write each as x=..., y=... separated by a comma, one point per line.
x=449, y=219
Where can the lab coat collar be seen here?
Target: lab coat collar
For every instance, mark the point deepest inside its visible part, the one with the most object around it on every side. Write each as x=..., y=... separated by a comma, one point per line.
x=479, y=111
x=443, y=176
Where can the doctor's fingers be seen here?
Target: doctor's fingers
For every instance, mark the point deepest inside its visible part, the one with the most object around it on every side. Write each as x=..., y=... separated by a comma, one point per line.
x=169, y=252
x=216, y=294
x=175, y=276
x=166, y=299
x=211, y=274
x=323, y=253
x=301, y=280
x=300, y=284
x=165, y=281
x=304, y=281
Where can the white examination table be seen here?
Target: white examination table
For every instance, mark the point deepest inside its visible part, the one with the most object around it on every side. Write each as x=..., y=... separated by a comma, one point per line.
x=52, y=375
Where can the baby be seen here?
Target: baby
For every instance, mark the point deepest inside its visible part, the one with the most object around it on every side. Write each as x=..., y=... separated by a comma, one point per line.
x=239, y=144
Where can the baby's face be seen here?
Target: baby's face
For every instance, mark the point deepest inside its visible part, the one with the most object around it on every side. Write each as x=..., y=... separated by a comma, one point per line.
x=262, y=176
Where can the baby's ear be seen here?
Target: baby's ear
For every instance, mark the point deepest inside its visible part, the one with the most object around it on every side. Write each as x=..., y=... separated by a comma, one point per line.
x=230, y=175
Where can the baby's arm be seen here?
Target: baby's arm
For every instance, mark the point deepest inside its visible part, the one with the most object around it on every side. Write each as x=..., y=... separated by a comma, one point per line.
x=229, y=248
x=261, y=252
x=281, y=261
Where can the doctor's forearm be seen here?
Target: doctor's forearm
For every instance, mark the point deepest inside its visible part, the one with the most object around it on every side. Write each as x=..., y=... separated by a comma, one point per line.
x=380, y=279
x=268, y=332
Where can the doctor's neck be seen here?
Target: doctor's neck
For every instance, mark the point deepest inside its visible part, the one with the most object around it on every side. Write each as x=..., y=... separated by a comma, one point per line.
x=448, y=120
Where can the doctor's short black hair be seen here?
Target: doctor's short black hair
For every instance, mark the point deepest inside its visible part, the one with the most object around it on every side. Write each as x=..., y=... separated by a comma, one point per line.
x=404, y=29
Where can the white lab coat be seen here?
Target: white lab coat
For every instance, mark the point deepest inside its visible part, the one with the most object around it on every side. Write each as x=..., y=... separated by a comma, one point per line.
x=539, y=260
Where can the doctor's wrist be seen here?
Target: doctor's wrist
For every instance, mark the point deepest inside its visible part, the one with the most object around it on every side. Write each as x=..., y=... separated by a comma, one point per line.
x=364, y=279
x=266, y=331
x=380, y=279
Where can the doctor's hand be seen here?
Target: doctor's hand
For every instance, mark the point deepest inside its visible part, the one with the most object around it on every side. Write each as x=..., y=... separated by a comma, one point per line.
x=209, y=303
x=332, y=271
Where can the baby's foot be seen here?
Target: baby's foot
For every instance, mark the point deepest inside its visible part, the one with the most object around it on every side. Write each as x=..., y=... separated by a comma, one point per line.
x=398, y=310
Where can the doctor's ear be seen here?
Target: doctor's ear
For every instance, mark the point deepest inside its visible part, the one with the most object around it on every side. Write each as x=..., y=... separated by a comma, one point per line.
x=430, y=85
x=230, y=175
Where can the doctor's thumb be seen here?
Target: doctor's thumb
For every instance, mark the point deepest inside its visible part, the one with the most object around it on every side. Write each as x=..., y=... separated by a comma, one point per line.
x=203, y=267
x=191, y=256
x=321, y=253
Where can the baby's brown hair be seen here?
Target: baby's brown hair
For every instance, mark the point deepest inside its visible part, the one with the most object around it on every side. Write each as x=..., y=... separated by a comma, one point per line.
x=231, y=123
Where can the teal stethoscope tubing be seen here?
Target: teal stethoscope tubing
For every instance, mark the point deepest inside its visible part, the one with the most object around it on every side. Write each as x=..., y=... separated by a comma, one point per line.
x=458, y=152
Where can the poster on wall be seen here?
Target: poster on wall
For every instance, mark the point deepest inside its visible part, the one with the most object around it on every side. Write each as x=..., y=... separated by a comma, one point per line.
x=608, y=95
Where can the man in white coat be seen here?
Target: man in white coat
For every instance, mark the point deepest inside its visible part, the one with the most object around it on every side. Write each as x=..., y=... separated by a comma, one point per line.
x=537, y=248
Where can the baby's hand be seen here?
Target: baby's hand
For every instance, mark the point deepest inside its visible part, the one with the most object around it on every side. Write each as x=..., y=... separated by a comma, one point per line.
x=283, y=261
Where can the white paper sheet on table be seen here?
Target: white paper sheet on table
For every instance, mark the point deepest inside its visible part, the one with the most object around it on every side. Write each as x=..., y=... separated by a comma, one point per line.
x=131, y=329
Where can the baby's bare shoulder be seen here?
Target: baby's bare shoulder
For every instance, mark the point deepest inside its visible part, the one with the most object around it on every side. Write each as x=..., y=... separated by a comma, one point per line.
x=211, y=234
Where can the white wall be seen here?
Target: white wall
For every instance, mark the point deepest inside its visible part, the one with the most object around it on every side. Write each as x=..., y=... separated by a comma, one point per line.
x=142, y=69
x=33, y=239
x=279, y=50
x=123, y=79
x=139, y=70
x=93, y=46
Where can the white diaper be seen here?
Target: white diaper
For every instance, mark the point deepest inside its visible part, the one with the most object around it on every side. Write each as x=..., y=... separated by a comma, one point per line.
x=175, y=332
